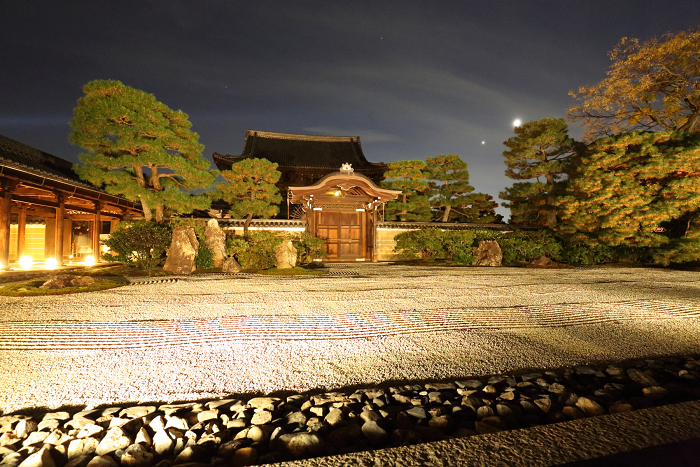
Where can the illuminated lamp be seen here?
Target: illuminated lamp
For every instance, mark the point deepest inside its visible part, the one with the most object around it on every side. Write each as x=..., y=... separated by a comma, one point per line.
x=25, y=262
x=89, y=261
x=51, y=263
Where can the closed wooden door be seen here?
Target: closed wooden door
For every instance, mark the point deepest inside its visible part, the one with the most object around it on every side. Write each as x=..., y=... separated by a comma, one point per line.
x=342, y=234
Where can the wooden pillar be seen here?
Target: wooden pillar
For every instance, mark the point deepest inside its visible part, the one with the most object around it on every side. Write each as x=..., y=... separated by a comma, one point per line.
x=22, y=232
x=58, y=238
x=5, y=216
x=96, y=231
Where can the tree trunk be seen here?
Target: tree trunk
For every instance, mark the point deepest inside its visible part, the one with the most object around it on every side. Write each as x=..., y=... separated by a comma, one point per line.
x=446, y=214
x=146, y=209
x=551, y=203
x=159, y=213
x=246, y=224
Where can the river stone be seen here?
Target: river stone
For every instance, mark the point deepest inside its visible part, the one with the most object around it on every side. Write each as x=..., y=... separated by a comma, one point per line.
x=589, y=407
x=215, y=240
x=191, y=454
x=244, y=456
x=25, y=427
x=35, y=437
x=162, y=442
x=261, y=417
x=115, y=439
x=301, y=445
x=102, y=461
x=417, y=412
x=136, y=455
x=286, y=255
x=334, y=417
x=488, y=253
x=182, y=251
x=375, y=434
x=641, y=377
x=137, y=411
x=13, y=459
x=82, y=447
x=266, y=403
x=41, y=458
x=89, y=430
x=230, y=265
x=80, y=461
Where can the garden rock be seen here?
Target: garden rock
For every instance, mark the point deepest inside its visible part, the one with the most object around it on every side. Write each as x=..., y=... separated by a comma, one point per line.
x=60, y=281
x=286, y=255
x=488, y=253
x=230, y=265
x=215, y=239
x=182, y=252
x=545, y=263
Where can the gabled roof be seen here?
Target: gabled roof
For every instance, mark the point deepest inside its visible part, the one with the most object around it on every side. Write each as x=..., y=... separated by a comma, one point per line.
x=39, y=162
x=289, y=150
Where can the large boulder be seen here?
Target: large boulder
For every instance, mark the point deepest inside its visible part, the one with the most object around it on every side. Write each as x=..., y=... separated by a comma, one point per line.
x=286, y=255
x=488, y=253
x=215, y=239
x=182, y=252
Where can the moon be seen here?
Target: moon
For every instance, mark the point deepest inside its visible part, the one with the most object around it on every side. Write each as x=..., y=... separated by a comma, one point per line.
x=517, y=122
x=483, y=142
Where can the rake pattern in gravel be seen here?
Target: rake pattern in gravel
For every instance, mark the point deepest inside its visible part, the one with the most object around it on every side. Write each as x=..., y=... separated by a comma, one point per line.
x=158, y=333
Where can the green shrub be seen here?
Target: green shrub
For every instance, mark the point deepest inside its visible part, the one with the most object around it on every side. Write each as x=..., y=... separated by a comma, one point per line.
x=205, y=257
x=308, y=248
x=257, y=252
x=142, y=243
x=526, y=245
x=428, y=244
x=458, y=245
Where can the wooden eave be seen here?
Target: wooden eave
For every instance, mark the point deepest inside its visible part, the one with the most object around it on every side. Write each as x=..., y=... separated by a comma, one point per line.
x=38, y=188
x=345, y=182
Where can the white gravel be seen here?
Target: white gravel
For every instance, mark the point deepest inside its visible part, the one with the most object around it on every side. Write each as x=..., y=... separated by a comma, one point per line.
x=200, y=337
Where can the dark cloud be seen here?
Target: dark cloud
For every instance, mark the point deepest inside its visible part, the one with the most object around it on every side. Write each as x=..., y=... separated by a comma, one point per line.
x=412, y=78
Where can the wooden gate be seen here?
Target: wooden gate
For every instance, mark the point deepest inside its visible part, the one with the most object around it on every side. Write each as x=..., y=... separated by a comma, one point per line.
x=342, y=234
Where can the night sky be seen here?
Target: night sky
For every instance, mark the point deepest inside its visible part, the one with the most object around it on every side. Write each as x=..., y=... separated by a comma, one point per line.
x=413, y=79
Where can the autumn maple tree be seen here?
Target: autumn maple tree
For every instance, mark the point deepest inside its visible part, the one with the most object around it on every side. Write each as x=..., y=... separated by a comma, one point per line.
x=140, y=149
x=409, y=177
x=541, y=152
x=652, y=85
x=251, y=190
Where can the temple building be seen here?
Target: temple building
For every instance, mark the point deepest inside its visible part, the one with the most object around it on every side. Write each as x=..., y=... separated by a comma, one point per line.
x=304, y=159
x=47, y=212
x=332, y=184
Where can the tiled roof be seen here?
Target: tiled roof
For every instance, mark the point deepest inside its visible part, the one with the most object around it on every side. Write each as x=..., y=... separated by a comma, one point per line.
x=290, y=150
x=37, y=161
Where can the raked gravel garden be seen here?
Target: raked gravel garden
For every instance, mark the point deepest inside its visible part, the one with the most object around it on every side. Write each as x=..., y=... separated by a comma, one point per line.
x=391, y=354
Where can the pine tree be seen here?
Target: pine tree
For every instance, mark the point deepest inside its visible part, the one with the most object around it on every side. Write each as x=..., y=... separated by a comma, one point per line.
x=640, y=190
x=410, y=178
x=140, y=149
x=539, y=149
x=251, y=190
x=449, y=185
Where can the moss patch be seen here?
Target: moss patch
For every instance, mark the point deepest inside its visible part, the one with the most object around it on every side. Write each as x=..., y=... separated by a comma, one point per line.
x=31, y=288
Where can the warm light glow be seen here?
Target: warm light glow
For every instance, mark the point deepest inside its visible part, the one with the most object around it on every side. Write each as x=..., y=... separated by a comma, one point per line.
x=51, y=263
x=25, y=262
x=89, y=261
x=517, y=122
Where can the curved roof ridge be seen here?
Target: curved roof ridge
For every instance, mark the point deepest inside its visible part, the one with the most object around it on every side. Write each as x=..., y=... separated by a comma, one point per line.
x=293, y=136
